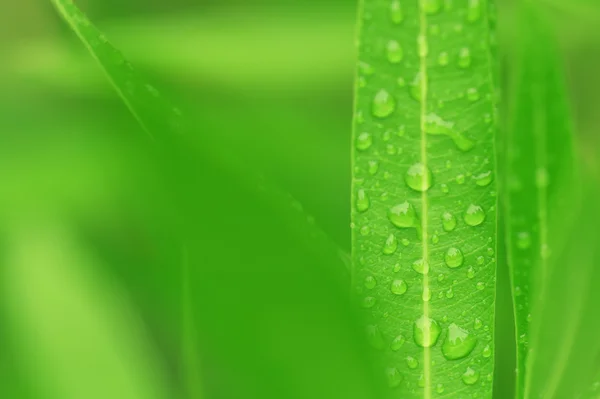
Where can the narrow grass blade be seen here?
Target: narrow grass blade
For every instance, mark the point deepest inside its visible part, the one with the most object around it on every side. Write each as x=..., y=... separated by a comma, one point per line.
x=549, y=222
x=424, y=199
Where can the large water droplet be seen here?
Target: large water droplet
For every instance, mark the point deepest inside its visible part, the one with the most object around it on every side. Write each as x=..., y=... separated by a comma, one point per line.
x=398, y=287
x=364, y=141
x=474, y=215
x=394, y=378
x=411, y=362
x=426, y=331
x=394, y=52
x=454, y=257
x=464, y=57
x=458, y=343
x=420, y=266
x=374, y=337
x=431, y=6
x=483, y=179
x=448, y=221
x=370, y=282
x=418, y=177
x=435, y=125
x=396, y=14
x=474, y=10
x=398, y=343
x=383, y=104
x=403, y=215
x=362, y=200
x=470, y=376
x=391, y=243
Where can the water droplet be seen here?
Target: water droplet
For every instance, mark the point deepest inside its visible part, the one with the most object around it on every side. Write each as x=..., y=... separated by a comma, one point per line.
x=454, y=257
x=448, y=221
x=431, y=7
x=390, y=149
x=365, y=68
x=460, y=179
x=435, y=125
x=443, y=59
x=364, y=141
x=421, y=381
x=373, y=167
x=474, y=215
x=405, y=242
x=480, y=286
x=418, y=177
x=441, y=277
x=458, y=343
x=398, y=342
x=411, y=362
x=439, y=388
x=426, y=331
x=472, y=94
x=398, y=287
x=464, y=57
x=390, y=245
x=487, y=351
x=415, y=87
x=541, y=178
x=426, y=295
x=387, y=135
x=480, y=260
x=403, y=215
x=435, y=239
x=383, y=104
x=369, y=302
x=422, y=45
x=470, y=272
x=370, y=282
x=374, y=337
x=420, y=266
x=470, y=376
x=449, y=293
x=483, y=179
x=396, y=14
x=397, y=267
x=444, y=188
x=362, y=201
x=523, y=240
x=474, y=10
x=394, y=52
x=394, y=378
x=529, y=318
x=365, y=230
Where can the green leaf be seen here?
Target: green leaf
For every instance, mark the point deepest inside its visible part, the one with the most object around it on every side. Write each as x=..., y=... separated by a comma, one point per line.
x=424, y=200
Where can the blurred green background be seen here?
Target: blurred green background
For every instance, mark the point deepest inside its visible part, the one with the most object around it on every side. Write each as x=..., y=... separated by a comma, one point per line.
x=99, y=296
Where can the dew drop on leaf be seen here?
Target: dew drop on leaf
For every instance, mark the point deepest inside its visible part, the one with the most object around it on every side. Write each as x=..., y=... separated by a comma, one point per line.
x=365, y=230
x=470, y=376
x=418, y=177
x=403, y=215
x=435, y=125
x=444, y=188
x=450, y=293
x=459, y=343
x=454, y=257
x=480, y=286
x=364, y=141
x=470, y=272
x=420, y=266
x=448, y=221
x=394, y=52
x=391, y=243
x=373, y=167
x=435, y=239
x=415, y=87
x=443, y=59
x=396, y=14
x=362, y=200
x=398, y=287
x=397, y=343
x=426, y=331
x=460, y=179
x=394, y=378
x=374, y=337
x=477, y=324
x=472, y=94
x=370, y=282
x=405, y=242
x=421, y=381
x=523, y=240
x=411, y=362
x=480, y=260
x=369, y=302
x=487, y=351
x=439, y=388
x=483, y=179
x=464, y=58
x=431, y=7
x=474, y=215
x=383, y=104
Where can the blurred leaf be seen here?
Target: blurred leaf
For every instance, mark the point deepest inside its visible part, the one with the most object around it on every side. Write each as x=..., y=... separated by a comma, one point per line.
x=424, y=213
x=549, y=223
x=77, y=334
